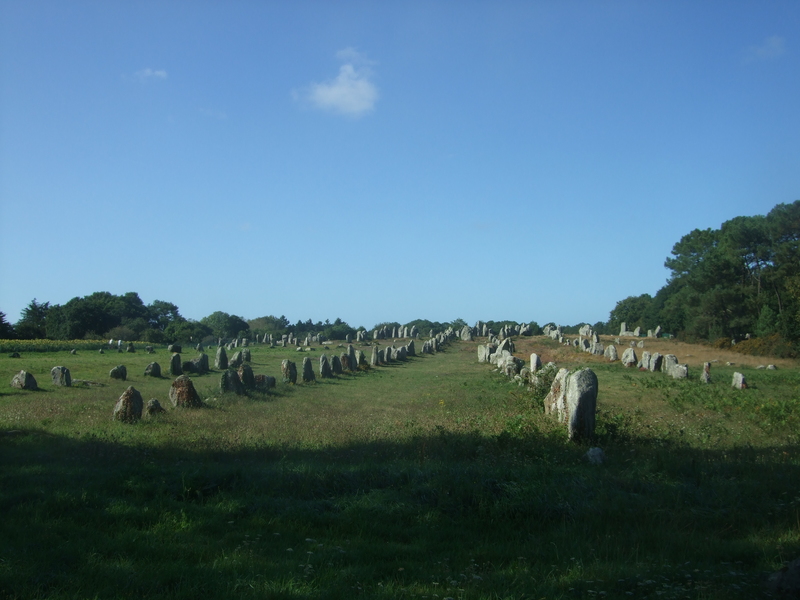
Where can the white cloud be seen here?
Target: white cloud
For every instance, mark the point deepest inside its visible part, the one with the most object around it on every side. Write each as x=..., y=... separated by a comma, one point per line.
x=769, y=49
x=150, y=74
x=352, y=92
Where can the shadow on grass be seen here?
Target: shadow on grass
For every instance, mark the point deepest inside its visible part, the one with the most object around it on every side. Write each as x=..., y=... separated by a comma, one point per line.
x=507, y=516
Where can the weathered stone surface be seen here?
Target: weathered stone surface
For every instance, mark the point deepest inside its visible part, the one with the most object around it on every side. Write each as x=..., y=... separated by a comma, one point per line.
x=176, y=348
x=373, y=361
x=221, y=359
x=325, y=370
x=555, y=402
x=288, y=371
x=611, y=353
x=61, y=376
x=336, y=365
x=182, y=393
x=581, y=405
x=130, y=348
x=640, y=344
x=129, y=406
x=152, y=370
x=236, y=360
x=511, y=365
x=24, y=381
x=656, y=361
x=246, y=376
x=200, y=364
x=352, y=360
x=536, y=363
x=411, y=349
x=264, y=383
x=246, y=356
x=739, y=381
x=175, y=365
x=680, y=371
x=705, y=376
x=629, y=357
x=670, y=360
x=229, y=381
x=118, y=372
x=154, y=408
x=308, y=370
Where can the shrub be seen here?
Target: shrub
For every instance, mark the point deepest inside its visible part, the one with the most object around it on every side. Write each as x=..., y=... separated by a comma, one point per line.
x=770, y=345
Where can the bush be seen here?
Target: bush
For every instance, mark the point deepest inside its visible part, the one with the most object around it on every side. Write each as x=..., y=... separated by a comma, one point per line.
x=770, y=345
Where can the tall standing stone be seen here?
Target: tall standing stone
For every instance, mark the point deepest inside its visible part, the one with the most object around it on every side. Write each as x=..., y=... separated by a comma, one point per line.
x=656, y=361
x=352, y=359
x=555, y=401
x=581, y=405
x=374, y=359
x=536, y=363
x=246, y=376
x=221, y=359
x=629, y=357
x=336, y=365
x=308, y=371
x=670, y=362
x=325, y=371
x=705, y=376
x=289, y=371
x=739, y=381
x=229, y=381
x=175, y=365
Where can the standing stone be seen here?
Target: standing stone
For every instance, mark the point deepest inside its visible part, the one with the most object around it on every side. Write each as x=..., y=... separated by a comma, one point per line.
x=221, y=359
x=174, y=348
x=555, y=401
x=536, y=363
x=154, y=408
x=351, y=358
x=229, y=381
x=289, y=371
x=336, y=365
x=130, y=348
x=246, y=376
x=739, y=381
x=61, y=376
x=344, y=359
x=152, y=370
x=175, y=366
x=680, y=372
x=705, y=376
x=655, y=361
x=483, y=355
x=325, y=371
x=200, y=364
x=236, y=360
x=129, y=406
x=374, y=359
x=246, y=356
x=611, y=353
x=637, y=332
x=411, y=349
x=644, y=365
x=629, y=357
x=640, y=344
x=581, y=405
x=182, y=393
x=118, y=372
x=24, y=381
x=670, y=361
x=308, y=371
x=361, y=359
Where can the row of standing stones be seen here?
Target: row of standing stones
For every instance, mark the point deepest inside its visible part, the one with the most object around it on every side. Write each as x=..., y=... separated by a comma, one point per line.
x=573, y=395
x=237, y=374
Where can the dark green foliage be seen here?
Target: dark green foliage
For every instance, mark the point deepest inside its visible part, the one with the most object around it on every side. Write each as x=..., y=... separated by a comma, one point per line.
x=223, y=325
x=741, y=278
x=6, y=329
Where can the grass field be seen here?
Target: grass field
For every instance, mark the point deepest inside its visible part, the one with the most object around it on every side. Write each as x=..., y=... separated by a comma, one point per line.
x=433, y=478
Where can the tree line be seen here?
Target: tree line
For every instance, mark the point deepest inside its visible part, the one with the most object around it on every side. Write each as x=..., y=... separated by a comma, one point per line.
x=740, y=280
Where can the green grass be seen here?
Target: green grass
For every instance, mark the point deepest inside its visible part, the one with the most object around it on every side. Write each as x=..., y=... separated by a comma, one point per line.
x=431, y=478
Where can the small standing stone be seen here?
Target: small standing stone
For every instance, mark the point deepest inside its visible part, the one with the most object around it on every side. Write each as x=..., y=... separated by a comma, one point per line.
x=308, y=371
x=152, y=370
x=183, y=394
x=24, y=381
x=739, y=381
x=154, y=407
x=118, y=372
x=289, y=371
x=61, y=376
x=705, y=376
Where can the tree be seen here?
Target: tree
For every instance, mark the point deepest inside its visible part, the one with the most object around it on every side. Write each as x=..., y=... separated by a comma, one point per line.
x=6, y=329
x=633, y=311
x=33, y=324
x=160, y=314
x=223, y=325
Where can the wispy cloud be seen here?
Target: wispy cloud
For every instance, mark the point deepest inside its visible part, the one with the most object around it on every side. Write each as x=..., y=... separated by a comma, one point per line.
x=352, y=92
x=150, y=74
x=213, y=114
x=771, y=48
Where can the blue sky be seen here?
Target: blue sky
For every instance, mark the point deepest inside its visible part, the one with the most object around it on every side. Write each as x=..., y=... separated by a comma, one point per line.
x=379, y=161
